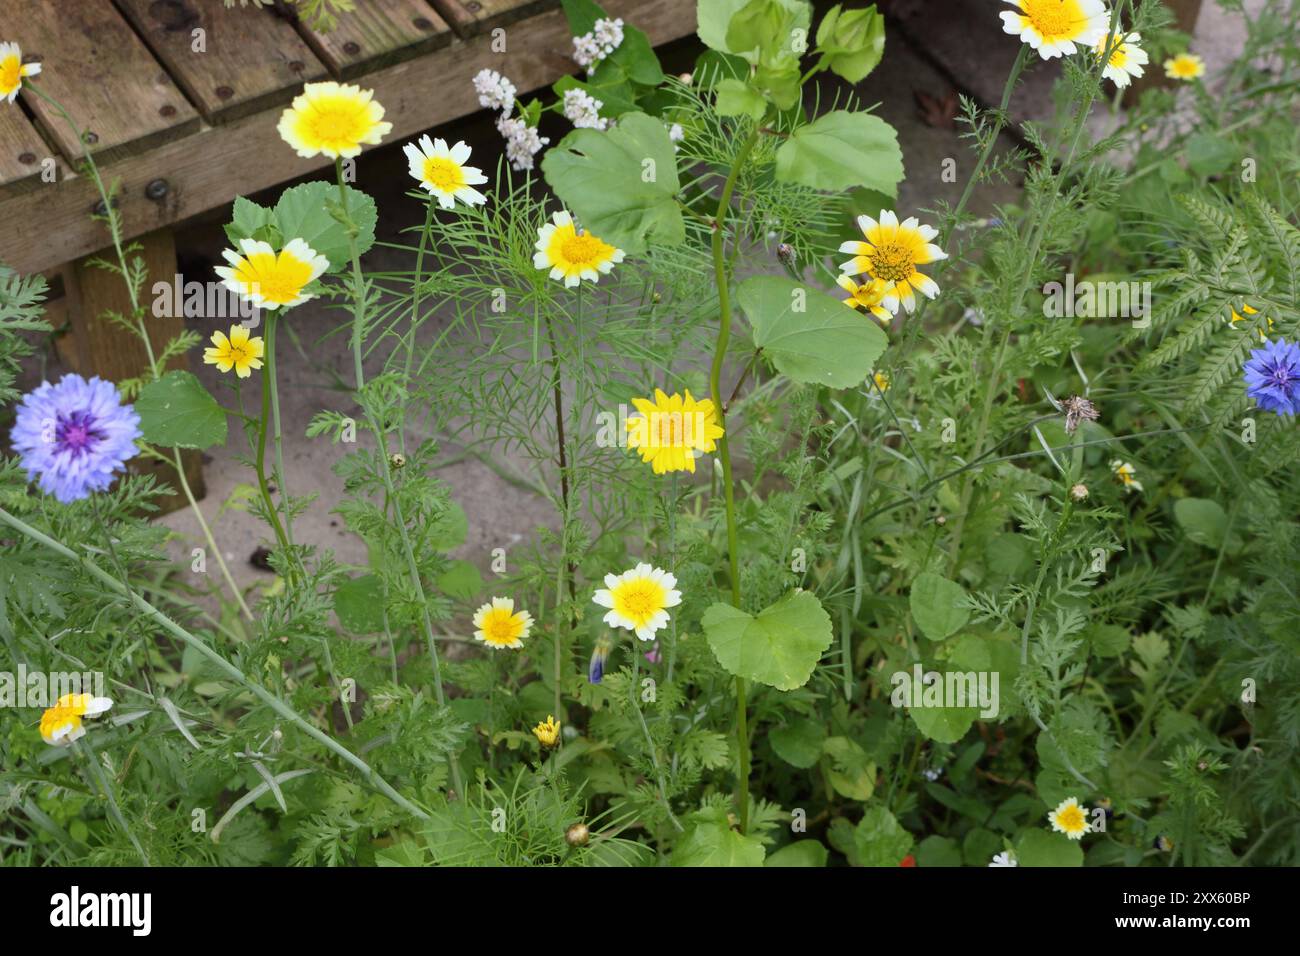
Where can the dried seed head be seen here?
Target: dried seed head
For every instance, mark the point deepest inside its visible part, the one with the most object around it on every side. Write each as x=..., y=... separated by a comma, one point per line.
x=1079, y=492
x=785, y=252
x=1078, y=409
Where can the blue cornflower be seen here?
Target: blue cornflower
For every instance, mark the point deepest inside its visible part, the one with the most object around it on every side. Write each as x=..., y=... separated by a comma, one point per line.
x=74, y=435
x=1272, y=377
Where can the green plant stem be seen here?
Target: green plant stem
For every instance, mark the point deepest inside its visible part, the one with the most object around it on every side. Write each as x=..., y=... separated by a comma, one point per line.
x=85, y=749
x=724, y=447
x=259, y=461
x=271, y=385
x=201, y=647
x=413, y=568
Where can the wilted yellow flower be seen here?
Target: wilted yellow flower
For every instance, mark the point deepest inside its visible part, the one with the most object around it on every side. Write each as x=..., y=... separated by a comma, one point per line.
x=240, y=351
x=13, y=71
x=548, y=731
x=61, y=724
x=672, y=431
x=333, y=119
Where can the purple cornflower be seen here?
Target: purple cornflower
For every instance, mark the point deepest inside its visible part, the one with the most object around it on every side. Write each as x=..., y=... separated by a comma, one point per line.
x=1272, y=377
x=74, y=435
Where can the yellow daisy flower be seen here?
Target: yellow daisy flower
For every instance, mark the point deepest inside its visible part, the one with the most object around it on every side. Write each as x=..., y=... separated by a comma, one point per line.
x=891, y=254
x=672, y=431
x=333, y=119
x=442, y=171
x=1127, y=59
x=61, y=724
x=869, y=295
x=638, y=600
x=1126, y=474
x=548, y=731
x=499, y=626
x=1250, y=310
x=13, y=70
x=240, y=351
x=882, y=381
x=1185, y=66
x=272, y=281
x=1053, y=27
x=572, y=255
x=1071, y=819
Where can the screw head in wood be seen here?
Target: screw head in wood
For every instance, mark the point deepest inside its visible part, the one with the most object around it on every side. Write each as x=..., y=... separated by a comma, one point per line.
x=224, y=92
x=167, y=110
x=351, y=48
x=157, y=189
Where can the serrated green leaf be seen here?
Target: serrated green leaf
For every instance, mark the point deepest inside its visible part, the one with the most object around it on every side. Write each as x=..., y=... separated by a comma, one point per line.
x=176, y=410
x=842, y=150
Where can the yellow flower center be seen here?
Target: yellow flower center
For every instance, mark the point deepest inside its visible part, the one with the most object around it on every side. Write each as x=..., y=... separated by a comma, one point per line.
x=10, y=74
x=337, y=123
x=1054, y=18
x=639, y=600
x=583, y=249
x=443, y=174
x=1071, y=818
x=277, y=280
x=500, y=627
x=892, y=261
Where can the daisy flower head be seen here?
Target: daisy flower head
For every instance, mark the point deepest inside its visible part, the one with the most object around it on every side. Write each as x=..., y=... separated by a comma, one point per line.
x=639, y=599
x=573, y=255
x=500, y=626
x=1054, y=27
x=548, y=731
x=882, y=381
x=1127, y=59
x=61, y=724
x=495, y=92
x=240, y=351
x=1272, y=376
x=72, y=437
x=272, y=280
x=441, y=170
x=891, y=253
x=1005, y=858
x=333, y=119
x=672, y=431
x=1071, y=819
x=1185, y=66
x=13, y=70
x=869, y=296
x=1126, y=474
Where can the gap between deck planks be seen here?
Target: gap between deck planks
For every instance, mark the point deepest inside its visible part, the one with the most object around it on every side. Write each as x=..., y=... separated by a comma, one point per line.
x=213, y=166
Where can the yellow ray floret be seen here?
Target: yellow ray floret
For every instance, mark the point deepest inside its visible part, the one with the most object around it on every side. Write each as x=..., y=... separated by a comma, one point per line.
x=333, y=119
x=270, y=280
x=1071, y=819
x=240, y=351
x=891, y=253
x=673, y=430
x=499, y=626
x=870, y=295
x=572, y=255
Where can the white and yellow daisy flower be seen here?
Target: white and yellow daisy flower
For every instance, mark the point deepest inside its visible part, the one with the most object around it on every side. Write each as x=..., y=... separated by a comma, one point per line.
x=61, y=724
x=1054, y=27
x=1126, y=474
x=241, y=351
x=1185, y=66
x=891, y=253
x=13, y=71
x=572, y=255
x=272, y=281
x=638, y=600
x=441, y=170
x=869, y=296
x=499, y=626
x=672, y=431
x=1071, y=819
x=334, y=119
x=1127, y=59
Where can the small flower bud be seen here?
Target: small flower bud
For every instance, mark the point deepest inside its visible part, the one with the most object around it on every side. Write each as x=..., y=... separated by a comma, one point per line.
x=577, y=835
x=1079, y=492
x=397, y=460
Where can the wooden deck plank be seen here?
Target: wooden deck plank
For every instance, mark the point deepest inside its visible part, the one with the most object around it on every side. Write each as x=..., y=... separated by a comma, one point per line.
x=213, y=167
x=250, y=59
x=22, y=149
x=94, y=64
x=472, y=17
x=378, y=33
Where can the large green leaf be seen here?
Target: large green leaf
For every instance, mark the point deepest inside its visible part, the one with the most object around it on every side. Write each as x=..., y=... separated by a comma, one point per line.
x=936, y=607
x=359, y=604
x=713, y=843
x=842, y=150
x=308, y=211
x=799, y=853
x=799, y=742
x=780, y=647
x=177, y=410
x=945, y=725
x=810, y=337
x=622, y=183
x=1043, y=848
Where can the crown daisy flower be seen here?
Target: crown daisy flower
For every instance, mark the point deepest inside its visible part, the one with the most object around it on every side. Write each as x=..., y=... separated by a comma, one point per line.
x=673, y=430
x=499, y=626
x=572, y=255
x=1272, y=376
x=869, y=296
x=73, y=436
x=61, y=724
x=1185, y=66
x=13, y=71
x=442, y=171
x=270, y=280
x=891, y=253
x=882, y=381
x=1126, y=474
x=333, y=119
x=638, y=600
x=1069, y=818
x=548, y=731
x=1053, y=27
x=1127, y=59
x=240, y=351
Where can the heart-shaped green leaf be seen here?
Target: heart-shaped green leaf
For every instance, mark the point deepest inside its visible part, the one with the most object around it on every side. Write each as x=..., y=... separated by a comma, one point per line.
x=780, y=647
